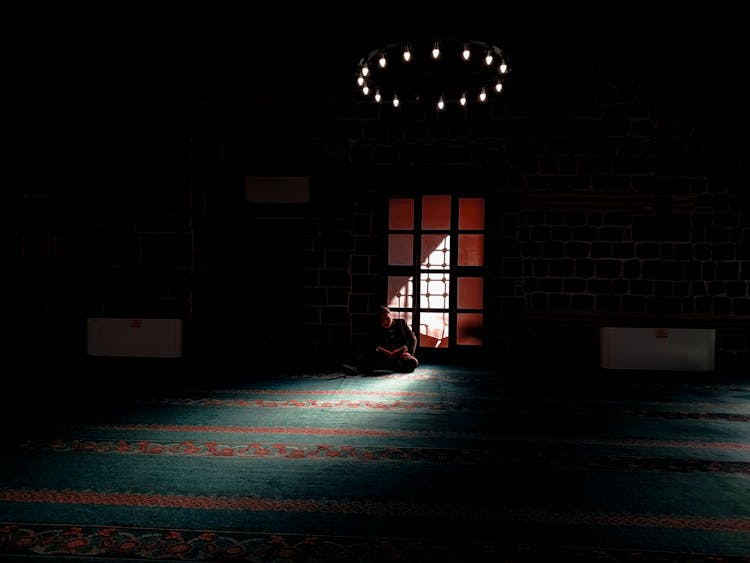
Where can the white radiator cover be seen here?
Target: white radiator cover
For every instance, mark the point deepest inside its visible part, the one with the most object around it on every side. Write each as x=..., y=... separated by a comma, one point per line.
x=683, y=349
x=138, y=338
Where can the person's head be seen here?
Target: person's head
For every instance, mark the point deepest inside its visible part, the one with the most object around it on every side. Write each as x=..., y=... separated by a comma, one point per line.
x=384, y=316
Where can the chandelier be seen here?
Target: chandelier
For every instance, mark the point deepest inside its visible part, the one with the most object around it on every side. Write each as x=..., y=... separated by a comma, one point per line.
x=443, y=72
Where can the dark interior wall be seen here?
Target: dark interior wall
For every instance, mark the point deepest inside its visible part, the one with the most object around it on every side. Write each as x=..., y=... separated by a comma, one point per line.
x=615, y=170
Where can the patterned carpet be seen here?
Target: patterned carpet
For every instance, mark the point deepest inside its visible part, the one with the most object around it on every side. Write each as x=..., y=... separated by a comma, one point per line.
x=445, y=464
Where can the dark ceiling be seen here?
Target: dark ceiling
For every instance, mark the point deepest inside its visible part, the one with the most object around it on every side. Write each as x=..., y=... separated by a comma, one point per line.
x=78, y=70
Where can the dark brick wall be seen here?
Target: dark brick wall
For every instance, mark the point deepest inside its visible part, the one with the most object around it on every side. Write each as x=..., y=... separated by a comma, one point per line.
x=616, y=179
x=617, y=190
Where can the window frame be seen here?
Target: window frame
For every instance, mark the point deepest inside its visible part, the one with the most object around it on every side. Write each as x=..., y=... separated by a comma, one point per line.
x=455, y=271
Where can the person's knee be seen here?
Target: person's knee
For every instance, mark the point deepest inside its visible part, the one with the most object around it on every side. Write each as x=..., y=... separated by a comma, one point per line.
x=409, y=364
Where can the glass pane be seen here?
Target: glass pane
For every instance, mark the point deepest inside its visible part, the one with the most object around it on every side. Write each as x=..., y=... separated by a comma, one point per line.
x=470, y=292
x=400, y=251
x=436, y=212
x=435, y=254
x=401, y=214
x=434, y=290
x=470, y=250
x=400, y=292
x=433, y=330
x=471, y=213
x=469, y=329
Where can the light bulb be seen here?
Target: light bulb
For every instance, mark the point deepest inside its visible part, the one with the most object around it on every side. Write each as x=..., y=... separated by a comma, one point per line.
x=436, y=50
x=503, y=67
x=377, y=96
x=498, y=86
x=441, y=103
x=365, y=90
x=483, y=95
x=360, y=80
x=462, y=101
x=488, y=59
x=466, y=53
x=407, y=54
x=381, y=60
x=365, y=70
x=395, y=101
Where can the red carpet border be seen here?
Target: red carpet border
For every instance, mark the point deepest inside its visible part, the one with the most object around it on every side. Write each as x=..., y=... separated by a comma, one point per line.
x=431, y=510
x=114, y=543
x=388, y=453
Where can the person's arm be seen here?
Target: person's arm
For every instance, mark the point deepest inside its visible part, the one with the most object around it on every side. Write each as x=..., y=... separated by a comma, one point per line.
x=411, y=339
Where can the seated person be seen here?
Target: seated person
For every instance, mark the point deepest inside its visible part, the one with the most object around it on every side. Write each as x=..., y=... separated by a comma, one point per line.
x=391, y=347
